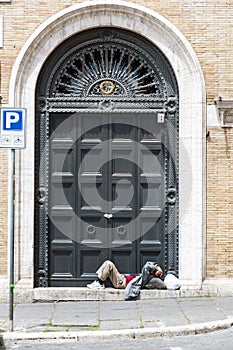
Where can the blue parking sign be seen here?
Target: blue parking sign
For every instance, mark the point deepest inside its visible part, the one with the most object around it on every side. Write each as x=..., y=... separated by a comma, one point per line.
x=12, y=127
x=12, y=120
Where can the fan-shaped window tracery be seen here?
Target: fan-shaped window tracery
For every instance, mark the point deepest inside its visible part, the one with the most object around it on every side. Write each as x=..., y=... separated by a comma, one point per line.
x=108, y=68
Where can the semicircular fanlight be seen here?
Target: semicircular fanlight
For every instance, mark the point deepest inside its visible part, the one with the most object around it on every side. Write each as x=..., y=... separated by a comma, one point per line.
x=108, y=69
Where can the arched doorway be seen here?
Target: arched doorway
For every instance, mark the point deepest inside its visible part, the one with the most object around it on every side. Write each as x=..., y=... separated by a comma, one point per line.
x=192, y=117
x=106, y=173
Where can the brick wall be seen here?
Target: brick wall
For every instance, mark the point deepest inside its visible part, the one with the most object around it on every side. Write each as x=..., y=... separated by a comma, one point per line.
x=207, y=24
x=219, y=202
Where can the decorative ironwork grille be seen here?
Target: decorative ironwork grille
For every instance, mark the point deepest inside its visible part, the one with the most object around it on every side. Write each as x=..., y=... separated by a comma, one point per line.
x=106, y=70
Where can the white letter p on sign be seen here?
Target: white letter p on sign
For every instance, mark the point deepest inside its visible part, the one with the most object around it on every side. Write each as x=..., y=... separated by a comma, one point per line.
x=11, y=117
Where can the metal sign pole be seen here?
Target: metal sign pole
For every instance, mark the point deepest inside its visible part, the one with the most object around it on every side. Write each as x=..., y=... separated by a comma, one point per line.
x=11, y=238
x=12, y=136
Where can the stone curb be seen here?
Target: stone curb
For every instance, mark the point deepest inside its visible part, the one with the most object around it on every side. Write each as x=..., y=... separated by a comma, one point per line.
x=141, y=333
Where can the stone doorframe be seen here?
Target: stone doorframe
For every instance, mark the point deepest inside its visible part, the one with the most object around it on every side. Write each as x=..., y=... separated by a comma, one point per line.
x=192, y=107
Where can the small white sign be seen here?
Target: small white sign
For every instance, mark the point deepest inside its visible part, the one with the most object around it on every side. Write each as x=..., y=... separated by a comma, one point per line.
x=160, y=117
x=13, y=128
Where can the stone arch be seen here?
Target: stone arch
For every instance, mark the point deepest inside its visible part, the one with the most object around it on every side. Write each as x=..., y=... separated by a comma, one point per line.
x=189, y=76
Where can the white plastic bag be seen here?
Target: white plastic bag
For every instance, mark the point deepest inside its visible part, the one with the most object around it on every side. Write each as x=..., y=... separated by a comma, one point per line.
x=171, y=281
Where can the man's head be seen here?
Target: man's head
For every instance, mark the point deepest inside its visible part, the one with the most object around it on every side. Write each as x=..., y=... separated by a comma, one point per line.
x=158, y=272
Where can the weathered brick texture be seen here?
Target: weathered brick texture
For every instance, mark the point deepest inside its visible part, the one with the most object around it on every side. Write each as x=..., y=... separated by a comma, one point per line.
x=219, y=202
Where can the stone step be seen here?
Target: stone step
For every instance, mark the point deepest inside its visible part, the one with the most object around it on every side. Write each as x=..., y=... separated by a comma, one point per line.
x=83, y=293
x=25, y=293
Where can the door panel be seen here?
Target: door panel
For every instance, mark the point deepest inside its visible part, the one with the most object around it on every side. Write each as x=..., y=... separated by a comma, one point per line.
x=61, y=200
x=123, y=194
x=91, y=238
x=106, y=195
x=151, y=192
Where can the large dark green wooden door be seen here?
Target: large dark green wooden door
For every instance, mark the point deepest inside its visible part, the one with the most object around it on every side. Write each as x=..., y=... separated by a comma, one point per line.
x=106, y=171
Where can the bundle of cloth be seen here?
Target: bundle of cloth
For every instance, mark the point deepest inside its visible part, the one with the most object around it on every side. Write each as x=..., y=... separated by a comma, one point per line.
x=148, y=280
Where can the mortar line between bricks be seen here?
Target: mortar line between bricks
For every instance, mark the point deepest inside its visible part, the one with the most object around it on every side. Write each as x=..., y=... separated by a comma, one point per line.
x=182, y=311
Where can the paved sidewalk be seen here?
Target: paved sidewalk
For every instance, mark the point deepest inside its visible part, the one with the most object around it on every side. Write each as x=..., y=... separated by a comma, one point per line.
x=117, y=318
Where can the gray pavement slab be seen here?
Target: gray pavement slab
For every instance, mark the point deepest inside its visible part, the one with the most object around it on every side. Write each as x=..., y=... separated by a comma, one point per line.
x=119, y=315
x=151, y=309
x=118, y=310
x=118, y=305
x=161, y=313
x=29, y=316
x=120, y=324
x=76, y=314
x=198, y=310
x=4, y=311
x=225, y=305
x=81, y=305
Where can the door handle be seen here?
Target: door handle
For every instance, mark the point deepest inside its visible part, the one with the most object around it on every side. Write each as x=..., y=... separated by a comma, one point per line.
x=108, y=216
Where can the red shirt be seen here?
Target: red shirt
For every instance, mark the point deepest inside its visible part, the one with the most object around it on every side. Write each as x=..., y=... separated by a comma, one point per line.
x=129, y=278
